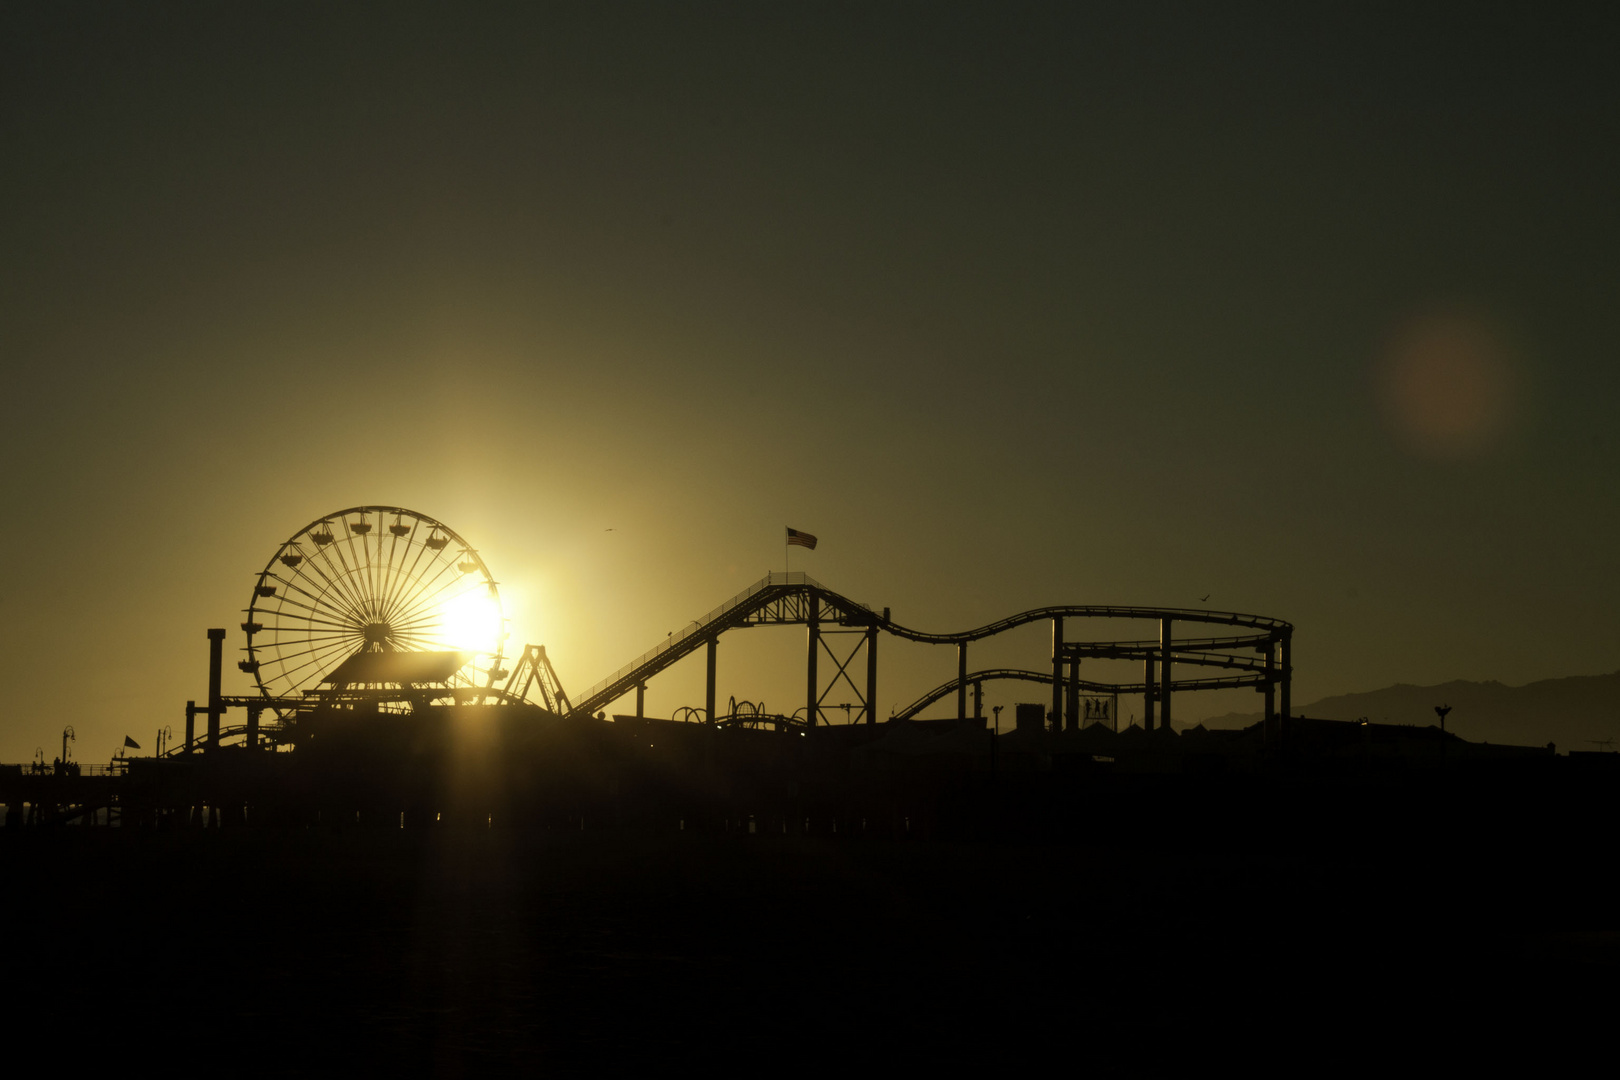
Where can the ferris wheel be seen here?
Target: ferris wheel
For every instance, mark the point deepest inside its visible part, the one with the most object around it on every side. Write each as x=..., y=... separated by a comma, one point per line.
x=370, y=579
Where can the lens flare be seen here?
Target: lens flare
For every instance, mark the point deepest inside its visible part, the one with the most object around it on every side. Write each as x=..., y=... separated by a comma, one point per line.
x=1447, y=385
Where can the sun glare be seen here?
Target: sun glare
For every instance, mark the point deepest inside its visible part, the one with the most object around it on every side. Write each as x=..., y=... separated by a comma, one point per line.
x=471, y=622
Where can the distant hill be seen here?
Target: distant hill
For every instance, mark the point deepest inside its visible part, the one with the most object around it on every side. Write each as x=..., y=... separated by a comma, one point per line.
x=1572, y=712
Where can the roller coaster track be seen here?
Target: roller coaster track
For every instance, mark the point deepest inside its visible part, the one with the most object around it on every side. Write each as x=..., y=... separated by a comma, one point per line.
x=1227, y=618
x=945, y=689
x=737, y=611
x=797, y=598
x=226, y=734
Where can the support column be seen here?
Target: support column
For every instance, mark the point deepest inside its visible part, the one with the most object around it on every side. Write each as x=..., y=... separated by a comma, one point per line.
x=216, y=645
x=191, y=725
x=641, y=691
x=1071, y=720
x=978, y=699
x=1147, y=695
x=253, y=727
x=1271, y=685
x=961, y=680
x=1164, y=674
x=813, y=618
x=871, y=674
x=1286, y=664
x=708, y=694
x=1057, y=673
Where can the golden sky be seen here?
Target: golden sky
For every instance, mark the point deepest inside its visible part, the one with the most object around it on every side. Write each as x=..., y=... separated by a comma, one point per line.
x=1311, y=313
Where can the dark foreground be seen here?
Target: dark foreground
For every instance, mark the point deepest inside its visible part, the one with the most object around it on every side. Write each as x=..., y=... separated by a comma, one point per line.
x=309, y=951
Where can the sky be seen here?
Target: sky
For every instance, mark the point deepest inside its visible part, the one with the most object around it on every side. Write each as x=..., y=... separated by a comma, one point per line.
x=1312, y=312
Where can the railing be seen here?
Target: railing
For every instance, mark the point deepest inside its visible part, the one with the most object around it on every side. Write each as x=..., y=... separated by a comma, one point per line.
x=73, y=769
x=675, y=640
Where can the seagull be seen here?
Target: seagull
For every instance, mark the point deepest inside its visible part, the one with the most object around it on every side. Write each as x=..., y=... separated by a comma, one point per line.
x=1203, y=598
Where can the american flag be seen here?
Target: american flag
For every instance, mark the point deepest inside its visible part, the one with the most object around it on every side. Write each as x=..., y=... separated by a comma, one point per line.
x=803, y=539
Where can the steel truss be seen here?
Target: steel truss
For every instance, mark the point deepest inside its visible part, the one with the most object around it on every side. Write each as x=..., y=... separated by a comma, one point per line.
x=1259, y=654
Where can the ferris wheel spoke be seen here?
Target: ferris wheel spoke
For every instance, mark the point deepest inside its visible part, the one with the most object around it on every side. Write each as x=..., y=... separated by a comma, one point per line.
x=424, y=638
x=431, y=600
x=292, y=635
x=417, y=625
x=294, y=647
x=418, y=619
x=432, y=639
x=403, y=574
x=420, y=641
x=310, y=625
x=362, y=562
x=306, y=624
x=337, y=592
x=420, y=629
x=303, y=583
x=448, y=575
x=329, y=602
x=374, y=564
x=329, y=584
x=292, y=585
x=411, y=601
x=344, y=576
x=318, y=601
x=295, y=631
x=394, y=564
x=315, y=612
x=313, y=646
x=316, y=664
x=436, y=567
x=352, y=576
x=447, y=593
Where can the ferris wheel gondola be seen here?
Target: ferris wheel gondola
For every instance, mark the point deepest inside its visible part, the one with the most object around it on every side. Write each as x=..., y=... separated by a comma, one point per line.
x=410, y=584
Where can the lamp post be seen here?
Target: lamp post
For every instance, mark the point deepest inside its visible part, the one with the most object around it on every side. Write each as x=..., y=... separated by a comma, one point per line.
x=1441, y=711
x=995, y=740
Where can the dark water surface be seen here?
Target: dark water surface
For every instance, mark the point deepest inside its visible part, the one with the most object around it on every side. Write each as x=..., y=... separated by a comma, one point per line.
x=303, y=952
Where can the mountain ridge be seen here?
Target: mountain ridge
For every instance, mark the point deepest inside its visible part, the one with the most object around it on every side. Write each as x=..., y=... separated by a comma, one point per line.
x=1575, y=712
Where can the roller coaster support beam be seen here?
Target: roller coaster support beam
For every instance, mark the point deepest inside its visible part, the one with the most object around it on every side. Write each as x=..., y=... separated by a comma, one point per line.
x=1057, y=673
x=641, y=696
x=191, y=725
x=813, y=622
x=1164, y=674
x=708, y=695
x=1286, y=662
x=1073, y=704
x=1147, y=695
x=871, y=674
x=216, y=643
x=1271, y=685
x=961, y=680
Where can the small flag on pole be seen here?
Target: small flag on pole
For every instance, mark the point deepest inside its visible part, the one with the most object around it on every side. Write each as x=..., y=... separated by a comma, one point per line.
x=803, y=539
x=131, y=743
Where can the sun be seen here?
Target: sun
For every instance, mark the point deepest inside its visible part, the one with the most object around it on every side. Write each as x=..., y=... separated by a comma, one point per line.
x=471, y=623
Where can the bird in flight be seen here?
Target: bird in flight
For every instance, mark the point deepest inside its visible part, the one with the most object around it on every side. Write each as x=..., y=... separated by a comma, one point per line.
x=1203, y=598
